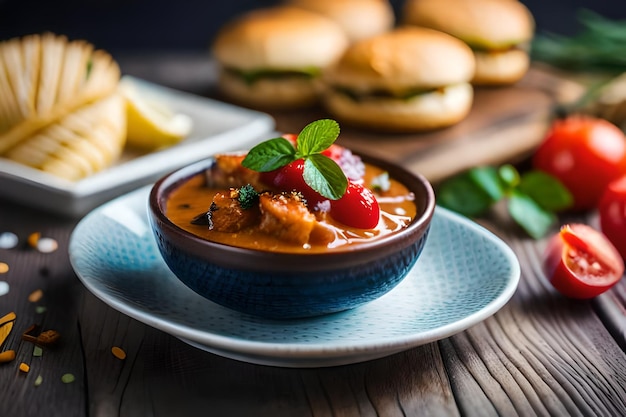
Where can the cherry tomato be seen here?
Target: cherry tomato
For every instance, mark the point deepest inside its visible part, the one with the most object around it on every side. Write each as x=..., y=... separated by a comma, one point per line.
x=580, y=262
x=585, y=154
x=612, y=213
x=357, y=208
x=289, y=178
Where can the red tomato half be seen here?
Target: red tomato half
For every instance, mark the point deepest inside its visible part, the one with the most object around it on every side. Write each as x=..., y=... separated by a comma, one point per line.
x=612, y=212
x=357, y=208
x=585, y=154
x=580, y=262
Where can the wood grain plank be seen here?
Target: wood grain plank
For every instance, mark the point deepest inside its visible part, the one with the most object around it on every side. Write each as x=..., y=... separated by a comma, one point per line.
x=29, y=271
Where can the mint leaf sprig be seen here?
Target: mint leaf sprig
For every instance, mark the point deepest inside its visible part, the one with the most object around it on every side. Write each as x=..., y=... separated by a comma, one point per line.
x=320, y=173
x=533, y=198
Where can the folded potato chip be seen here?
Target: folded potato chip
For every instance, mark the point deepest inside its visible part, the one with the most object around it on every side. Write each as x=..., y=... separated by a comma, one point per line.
x=79, y=144
x=46, y=77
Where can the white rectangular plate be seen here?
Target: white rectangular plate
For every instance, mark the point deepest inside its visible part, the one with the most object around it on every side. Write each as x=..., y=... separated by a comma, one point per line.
x=217, y=127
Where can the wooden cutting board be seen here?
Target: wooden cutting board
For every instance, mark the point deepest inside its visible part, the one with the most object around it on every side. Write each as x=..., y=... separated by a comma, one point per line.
x=504, y=125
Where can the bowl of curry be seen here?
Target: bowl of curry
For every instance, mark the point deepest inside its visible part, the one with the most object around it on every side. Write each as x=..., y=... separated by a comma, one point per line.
x=286, y=255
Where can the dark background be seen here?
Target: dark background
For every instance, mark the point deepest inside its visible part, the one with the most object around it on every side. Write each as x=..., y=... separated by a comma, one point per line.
x=126, y=26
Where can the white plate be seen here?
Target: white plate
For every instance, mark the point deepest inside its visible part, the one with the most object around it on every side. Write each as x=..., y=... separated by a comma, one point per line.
x=217, y=127
x=464, y=275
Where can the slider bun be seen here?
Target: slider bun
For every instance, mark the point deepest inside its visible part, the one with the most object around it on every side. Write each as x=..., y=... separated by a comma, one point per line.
x=359, y=18
x=485, y=24
x=423, y=112
x=499, y=32
x=404, y=58
x=500, y=68
x=400, y=61
x=280, y=37
x=270, y=93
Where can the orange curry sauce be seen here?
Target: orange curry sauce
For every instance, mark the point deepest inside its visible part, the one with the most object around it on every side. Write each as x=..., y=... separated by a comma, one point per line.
x=193, y=197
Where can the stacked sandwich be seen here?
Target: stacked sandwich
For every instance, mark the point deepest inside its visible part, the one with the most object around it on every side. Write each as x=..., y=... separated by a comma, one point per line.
x=499, y=33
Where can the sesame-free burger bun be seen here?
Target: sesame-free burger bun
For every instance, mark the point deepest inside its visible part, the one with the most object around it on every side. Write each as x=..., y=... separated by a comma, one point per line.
x=273, y=57
x=359, y=18
x=408, y=79
x=498, y=31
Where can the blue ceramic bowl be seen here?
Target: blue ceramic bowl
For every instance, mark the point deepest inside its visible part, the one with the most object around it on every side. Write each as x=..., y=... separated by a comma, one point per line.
x=283, y=285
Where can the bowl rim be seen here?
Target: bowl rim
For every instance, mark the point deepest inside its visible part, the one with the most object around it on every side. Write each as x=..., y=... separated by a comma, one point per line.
x=269, y=260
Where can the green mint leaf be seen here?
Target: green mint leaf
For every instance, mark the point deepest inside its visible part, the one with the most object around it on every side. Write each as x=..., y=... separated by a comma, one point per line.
x=324, y=175
x=509, y=175
x=320, y=172
x=546, y=190
x=463, y=195
x=270, y=155
x=529, y=215
x=488, y=179
x=317, y=136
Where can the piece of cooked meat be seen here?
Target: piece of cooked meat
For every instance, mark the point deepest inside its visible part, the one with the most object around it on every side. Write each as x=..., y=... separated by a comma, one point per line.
x=227, y=171
x=286, y=216
x=227, y=215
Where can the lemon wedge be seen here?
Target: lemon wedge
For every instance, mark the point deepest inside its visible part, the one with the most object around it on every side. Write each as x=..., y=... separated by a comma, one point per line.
x=151, y=124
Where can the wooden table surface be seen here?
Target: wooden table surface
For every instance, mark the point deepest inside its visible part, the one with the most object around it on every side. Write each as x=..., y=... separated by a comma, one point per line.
x=541, y=354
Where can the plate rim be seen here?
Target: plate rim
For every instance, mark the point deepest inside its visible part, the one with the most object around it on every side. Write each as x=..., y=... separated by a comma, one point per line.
x=272, y=352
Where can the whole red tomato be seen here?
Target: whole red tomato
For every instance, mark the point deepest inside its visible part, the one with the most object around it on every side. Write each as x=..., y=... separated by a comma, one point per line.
x=585, y=154
x=290, y=177
x=612, y=213
x=580, y=262
x=357, y=208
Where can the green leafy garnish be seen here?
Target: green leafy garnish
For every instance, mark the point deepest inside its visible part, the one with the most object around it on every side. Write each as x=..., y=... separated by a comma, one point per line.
x=247, y=197
x=252, y=76
x=321, y=173
x=533, y=198
x=599, y=45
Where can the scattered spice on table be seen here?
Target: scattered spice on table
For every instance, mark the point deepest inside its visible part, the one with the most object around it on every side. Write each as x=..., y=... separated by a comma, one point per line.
x=38, y=381
x=8, y=240
x=40, y=309
x=7, y=356
x=48, y=338
x=68, y=378
x=45, y=338
x=4, y=288
x=7, y=318
x=118, y=352
x=4, y=267
x=24, y=367
x=33, y=238
x=47, y=245
x=6, y=325
x=35, y=296
x=37, y=351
